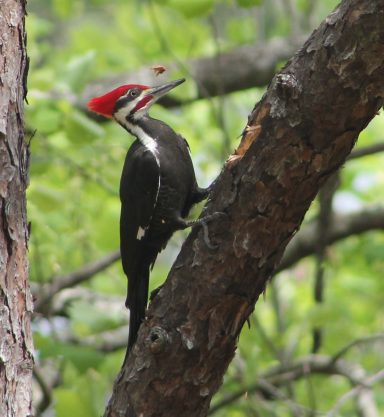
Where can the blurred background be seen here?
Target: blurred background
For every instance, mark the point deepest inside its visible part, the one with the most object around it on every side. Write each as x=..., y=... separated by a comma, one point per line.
x=317, y=334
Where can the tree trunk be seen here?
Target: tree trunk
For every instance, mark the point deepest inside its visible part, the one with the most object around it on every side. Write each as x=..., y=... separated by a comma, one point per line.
x=16, y=344
x=297, y=136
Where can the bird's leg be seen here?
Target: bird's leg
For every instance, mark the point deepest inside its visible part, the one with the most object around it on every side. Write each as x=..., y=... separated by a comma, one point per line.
x=154, y=292
x=207, y=240
x=203, y=220
x=211, y=186
x=202, y=193
x=204, y=223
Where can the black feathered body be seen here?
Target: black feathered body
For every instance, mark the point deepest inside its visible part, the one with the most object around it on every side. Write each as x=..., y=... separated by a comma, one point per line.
x=158, y=188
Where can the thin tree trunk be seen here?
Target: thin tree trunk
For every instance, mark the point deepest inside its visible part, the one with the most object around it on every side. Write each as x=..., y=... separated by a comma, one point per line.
x=16, y=345
x=297, y=136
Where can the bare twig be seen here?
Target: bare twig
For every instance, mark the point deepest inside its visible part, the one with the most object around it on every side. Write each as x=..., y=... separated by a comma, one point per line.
x=46, y=392
x=47, y=291
x=284, y=374
x=303, y=244
x=357, y=390
x=357, y=342
x=367, y=150
x=281, y=375
x=265, y=338
x=296, y=408
x=108, y=341
x=324, y=224
x=251, y=73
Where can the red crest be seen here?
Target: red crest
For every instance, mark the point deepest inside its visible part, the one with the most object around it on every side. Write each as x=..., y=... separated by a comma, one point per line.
x=105, y=104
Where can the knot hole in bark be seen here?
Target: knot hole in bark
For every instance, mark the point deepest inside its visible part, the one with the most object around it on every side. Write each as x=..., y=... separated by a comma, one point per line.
x=157, y=339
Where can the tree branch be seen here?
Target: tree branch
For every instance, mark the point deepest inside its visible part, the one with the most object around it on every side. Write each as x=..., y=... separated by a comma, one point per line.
x=367, y=150
x=238, y=68
x=304, y=244
x=44, y=294
x=324, y=224
x=108, y=341
x=357, y=342
x=46, y=392
x=356, y=391
x=301, y=246
x=282, y=375
x=293, y=142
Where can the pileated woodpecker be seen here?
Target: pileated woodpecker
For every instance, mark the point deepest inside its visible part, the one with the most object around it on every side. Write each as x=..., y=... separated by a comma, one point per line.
x=157, y=189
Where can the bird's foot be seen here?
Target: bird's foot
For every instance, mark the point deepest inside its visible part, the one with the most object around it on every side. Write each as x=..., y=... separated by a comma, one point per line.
x=204, y=223
x=207, y=240
x=154, y=292
x=203, y=193
x=210, y=187
x=204, y=220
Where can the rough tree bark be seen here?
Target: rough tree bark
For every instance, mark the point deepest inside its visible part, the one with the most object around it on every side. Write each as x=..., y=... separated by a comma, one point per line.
x=297, y=136
x=15, y=298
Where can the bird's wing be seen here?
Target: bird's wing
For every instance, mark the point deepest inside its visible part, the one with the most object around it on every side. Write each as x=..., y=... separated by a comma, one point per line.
x=139, y=188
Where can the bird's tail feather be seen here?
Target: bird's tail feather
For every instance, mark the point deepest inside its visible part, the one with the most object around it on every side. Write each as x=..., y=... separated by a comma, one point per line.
x=137, y=303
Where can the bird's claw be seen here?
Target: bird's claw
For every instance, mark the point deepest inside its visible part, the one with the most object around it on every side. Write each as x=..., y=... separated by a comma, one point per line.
x=204, y=224
x=214, y=216
x=154, y=292
x=207, y=241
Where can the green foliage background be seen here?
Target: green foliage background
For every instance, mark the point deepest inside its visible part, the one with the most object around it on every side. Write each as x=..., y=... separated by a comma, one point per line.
x=74, y=208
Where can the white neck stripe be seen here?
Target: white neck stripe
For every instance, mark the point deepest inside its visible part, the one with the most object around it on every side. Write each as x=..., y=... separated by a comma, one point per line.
x=150, y=144
x=137, y=131
x=143, y=137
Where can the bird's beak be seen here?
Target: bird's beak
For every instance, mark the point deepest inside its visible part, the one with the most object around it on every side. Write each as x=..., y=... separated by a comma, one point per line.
x=161, y=90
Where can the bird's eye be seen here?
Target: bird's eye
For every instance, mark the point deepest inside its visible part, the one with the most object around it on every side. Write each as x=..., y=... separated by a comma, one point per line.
x=133, y=93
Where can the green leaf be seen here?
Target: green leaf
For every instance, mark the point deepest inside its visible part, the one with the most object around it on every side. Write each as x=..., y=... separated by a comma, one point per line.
x=192, y=8
x=71, y=403
x=65, y=8
x=89, y=319
x=46, y=198
x=46, y=119
x=107, y=233
x=248, y=3
x=81, y=357
x=81, y=129
x=322, y=314
x=76, y=72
